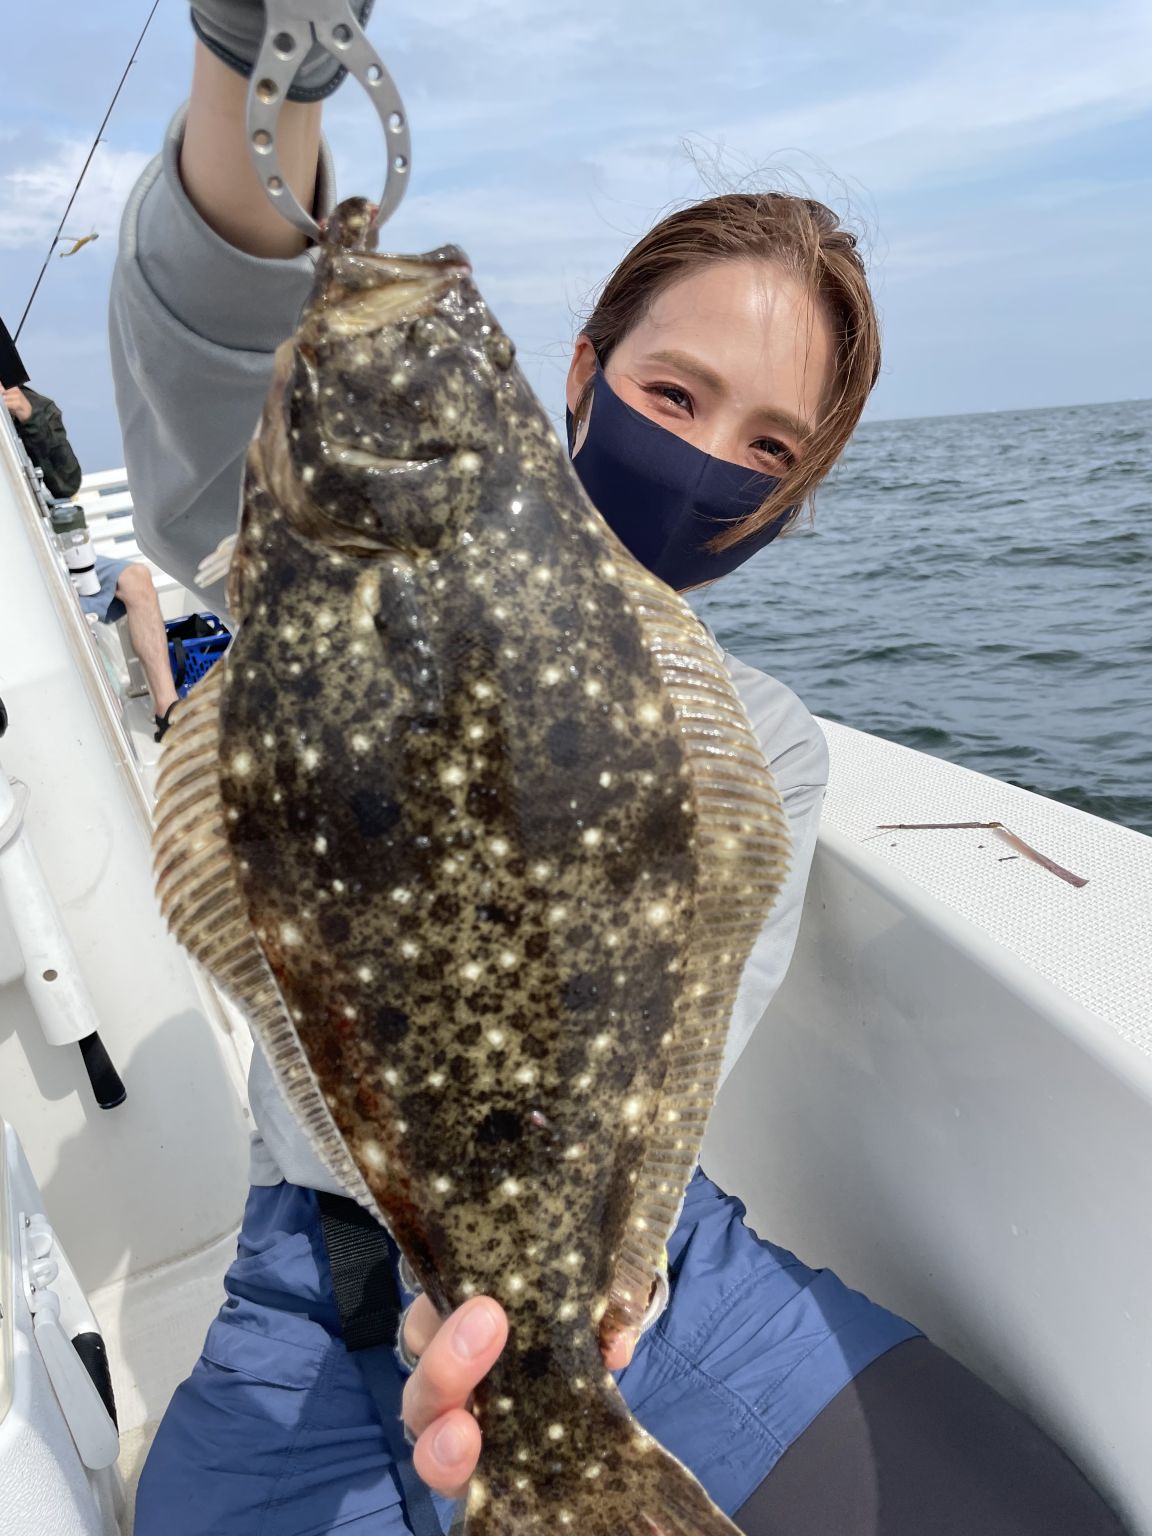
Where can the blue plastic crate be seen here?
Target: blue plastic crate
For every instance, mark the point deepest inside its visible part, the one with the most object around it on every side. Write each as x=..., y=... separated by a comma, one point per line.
x=191, y=655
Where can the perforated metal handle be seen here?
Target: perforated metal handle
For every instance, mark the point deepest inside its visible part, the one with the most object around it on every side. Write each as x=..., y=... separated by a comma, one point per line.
x=292, y=27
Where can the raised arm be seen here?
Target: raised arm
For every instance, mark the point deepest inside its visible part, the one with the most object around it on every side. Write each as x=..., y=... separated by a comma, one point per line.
x=208, y=282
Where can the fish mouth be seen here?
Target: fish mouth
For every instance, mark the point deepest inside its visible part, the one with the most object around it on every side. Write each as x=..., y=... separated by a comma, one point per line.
x=408, y=287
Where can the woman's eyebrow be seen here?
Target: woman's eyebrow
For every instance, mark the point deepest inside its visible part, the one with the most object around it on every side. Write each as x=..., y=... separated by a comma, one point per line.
x=686, y=363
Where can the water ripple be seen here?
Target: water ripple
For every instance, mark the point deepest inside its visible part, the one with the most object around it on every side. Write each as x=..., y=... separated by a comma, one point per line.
x=994, y=611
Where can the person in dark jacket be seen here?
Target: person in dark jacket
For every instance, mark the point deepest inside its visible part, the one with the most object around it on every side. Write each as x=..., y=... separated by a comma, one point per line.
x=125, y=586
x=40, y=427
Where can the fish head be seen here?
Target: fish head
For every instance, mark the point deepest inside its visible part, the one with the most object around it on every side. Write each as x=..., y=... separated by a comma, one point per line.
x=387, y=402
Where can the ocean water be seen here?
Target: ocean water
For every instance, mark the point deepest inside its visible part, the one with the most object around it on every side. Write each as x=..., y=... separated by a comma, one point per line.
x=980, y=588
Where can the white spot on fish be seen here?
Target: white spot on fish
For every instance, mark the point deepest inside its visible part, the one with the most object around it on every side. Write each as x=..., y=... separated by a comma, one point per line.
x=573, y=1259
x=391, y=1076
x=349, y=1011
x=359, y=742
x=517, y=506
x=508, y=960
x=555, y=1431
x=409, y=949
x=591, y=837
x=441, y=1185
x=520, y=1482
x=289, y=632
x=268, y=739
x=605, y=780
x=511, y=1187
x=471, y=970
x=290, y=935
x=453, y=774
x=607, y=568
x=515, y=1283
x=568, y=1310
x=373, y=1154
x=551, y=675
x=476, y=733
x=602, y=1042
x=541, y=871
x=557, y=914
x=499, y=847
x=593, y=1469
x=365, y=973
x=401, y=895
x=320, y=843
x=495, y=1037
x=310, y=757
x=338, y=886
x=658, y=913
x=632, y=1108
x=308, y=474
x=573, y=1152
x=584, y=1081
x=593, y=688
x=674, y=1114
x=469, y=463
x=435, y=1079
x=241, y=764
x=525, y=1075
x=505, y=1404
x=482, y=690
x=597, y=1312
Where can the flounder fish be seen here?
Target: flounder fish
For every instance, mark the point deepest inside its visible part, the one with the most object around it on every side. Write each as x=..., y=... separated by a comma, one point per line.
x=472, y=824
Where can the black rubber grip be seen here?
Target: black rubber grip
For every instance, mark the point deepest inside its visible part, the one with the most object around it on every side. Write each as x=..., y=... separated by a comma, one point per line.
x=94, y=1357
x=105, y=1080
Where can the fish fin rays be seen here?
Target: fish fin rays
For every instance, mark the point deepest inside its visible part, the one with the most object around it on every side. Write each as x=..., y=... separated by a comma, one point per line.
x=202, y=903
x=743, y=847
x=215, y=567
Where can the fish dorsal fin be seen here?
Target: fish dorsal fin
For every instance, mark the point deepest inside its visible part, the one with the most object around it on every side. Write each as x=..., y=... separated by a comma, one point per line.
x=743, y=848
x=201, y=900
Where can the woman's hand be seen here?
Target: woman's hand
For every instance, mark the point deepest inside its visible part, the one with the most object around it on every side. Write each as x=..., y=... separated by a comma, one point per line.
x=455, y=1354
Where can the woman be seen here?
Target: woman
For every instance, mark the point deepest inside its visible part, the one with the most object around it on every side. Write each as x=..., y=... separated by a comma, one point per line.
x=716, y=382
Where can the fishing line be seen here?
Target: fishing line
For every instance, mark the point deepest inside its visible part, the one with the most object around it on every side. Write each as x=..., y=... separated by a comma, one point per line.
x=84, y=169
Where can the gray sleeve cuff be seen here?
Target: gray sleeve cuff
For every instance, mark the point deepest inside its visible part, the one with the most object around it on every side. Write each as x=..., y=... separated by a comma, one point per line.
x=221, y=294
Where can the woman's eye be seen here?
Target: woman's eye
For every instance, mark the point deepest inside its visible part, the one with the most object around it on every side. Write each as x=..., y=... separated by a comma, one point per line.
x=673, y=394
x=772, y=448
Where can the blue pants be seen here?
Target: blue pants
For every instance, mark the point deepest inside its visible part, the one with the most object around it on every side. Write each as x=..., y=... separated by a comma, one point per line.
x=275, y=1432
x=105, y=604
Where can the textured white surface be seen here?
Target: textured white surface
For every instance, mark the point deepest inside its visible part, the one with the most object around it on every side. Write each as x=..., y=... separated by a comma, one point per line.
x=1094, y=943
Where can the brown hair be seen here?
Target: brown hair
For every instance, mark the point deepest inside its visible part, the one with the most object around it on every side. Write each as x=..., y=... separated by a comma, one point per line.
x=805, y=238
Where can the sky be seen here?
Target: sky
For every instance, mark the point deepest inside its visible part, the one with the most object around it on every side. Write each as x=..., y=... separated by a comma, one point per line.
x=995, y=159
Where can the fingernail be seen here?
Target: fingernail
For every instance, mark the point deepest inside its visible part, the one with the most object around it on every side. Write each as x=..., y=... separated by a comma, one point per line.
x=449, y=1447
x=474, y=1332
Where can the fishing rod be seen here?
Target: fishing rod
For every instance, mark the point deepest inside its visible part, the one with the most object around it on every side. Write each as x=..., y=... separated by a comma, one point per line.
x=84, y=169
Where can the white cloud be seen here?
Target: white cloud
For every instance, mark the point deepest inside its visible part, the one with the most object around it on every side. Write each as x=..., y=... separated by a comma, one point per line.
x=1009, y=83
x=33, y=197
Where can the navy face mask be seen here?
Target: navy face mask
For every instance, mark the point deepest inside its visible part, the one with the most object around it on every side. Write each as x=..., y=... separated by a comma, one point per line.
x=663, y=498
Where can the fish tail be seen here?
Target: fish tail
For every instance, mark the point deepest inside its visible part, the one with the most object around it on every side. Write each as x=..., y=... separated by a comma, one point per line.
x=623, y=1483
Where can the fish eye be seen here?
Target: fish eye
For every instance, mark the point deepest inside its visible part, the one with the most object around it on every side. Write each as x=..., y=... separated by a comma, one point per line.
x=501, y=351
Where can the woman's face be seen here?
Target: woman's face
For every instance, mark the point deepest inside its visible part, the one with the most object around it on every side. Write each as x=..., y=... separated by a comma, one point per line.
x=735, y=358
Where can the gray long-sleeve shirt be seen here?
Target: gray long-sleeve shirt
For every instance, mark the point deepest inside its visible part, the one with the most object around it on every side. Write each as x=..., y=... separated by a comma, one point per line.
x=194, y=325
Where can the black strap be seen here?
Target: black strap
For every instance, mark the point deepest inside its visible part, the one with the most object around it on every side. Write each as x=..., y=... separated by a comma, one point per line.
x=363, y=1263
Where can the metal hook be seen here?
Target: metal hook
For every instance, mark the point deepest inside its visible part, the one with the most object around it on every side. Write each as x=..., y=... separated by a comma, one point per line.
x=292, y=27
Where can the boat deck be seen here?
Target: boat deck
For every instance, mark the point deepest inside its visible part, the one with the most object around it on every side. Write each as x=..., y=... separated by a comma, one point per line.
x=1093, y=942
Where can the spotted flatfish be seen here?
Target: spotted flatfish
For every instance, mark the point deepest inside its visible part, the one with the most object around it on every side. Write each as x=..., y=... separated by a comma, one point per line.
x=472, y=824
